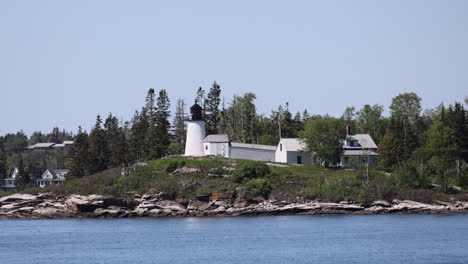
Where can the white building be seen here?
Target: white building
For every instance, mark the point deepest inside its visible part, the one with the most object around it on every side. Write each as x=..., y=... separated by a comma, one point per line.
x=292, y=151
x=217, y=145
x=52, y=177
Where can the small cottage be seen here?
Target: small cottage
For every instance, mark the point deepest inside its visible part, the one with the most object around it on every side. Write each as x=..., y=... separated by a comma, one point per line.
x=292, y=151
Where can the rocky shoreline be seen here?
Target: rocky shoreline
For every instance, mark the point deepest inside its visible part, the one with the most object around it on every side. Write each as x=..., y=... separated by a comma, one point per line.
x=43, y=206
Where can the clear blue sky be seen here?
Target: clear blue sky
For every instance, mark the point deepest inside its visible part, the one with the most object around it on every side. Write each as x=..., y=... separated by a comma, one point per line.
x=64, y=62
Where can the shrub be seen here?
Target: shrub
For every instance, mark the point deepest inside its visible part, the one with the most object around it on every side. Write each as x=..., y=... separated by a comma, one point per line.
x=259, y=187
x=174, y=164
x=251, y=170
x=330, y=190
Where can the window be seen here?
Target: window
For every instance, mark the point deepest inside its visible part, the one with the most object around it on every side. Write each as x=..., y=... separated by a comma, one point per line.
x=206, y=147
x=281, y=147
x=299, y=159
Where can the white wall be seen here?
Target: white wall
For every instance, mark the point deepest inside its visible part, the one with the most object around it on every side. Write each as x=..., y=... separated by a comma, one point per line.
x=219, y=149
x=281, y=154
x=252, y=154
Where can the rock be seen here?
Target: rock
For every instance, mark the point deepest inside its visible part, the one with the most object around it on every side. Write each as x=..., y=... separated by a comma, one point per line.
x=220, y=203
x=239, y=203
x=166, y=195
x=111, y=211
x=83, y=204
x=381, y=204
x=170, y=205
x=23, y=210
x=197, y=206
x=185, y=170
x=46, y=212
x=18, y=197
x=154, y=212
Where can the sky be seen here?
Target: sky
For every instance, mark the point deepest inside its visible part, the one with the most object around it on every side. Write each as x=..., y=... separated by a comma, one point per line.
x=64, y=62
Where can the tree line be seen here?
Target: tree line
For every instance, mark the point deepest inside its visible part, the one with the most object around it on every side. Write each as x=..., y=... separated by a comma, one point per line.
x=415, y=145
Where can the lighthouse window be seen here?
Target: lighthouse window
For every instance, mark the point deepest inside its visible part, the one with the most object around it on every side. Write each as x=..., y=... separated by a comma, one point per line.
x=206, y=147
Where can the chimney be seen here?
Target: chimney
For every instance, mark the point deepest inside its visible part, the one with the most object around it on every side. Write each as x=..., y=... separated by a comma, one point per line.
x=348, y=130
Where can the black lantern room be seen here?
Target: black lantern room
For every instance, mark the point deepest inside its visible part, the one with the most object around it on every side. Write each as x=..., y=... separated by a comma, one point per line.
x=196, y=112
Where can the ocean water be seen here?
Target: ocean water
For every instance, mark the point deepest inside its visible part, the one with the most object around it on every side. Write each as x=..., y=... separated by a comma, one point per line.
x=271, y=239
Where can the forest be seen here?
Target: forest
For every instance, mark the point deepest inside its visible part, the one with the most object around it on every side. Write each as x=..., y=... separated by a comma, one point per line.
x=419, y=147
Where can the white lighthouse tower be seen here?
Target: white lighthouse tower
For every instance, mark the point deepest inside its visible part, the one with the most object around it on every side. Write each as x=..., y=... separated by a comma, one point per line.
x=195, y=132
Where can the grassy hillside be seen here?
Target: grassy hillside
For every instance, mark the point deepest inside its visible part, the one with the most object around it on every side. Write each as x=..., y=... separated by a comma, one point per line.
x=185, y=178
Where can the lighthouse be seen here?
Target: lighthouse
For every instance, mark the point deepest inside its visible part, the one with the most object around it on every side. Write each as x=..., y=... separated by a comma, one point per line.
x=195, y=132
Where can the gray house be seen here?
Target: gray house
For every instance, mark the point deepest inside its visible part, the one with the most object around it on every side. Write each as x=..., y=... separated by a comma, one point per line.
x=359, y=150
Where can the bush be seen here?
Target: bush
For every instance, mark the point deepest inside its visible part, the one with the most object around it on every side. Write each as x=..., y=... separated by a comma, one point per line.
x=259, y=187
x=174, y=164
x=330, y=190
x=251, y=170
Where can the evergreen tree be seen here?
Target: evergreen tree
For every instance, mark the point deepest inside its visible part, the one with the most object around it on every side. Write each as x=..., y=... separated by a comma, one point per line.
x=54, y=137
x=79, y=155
x=150, y=106
x=22, y=178
x=200, y=98
x=98, y=149
x=212, y=113
x=158, y=138
x=138, y=133
x=179, y=127
x=3, y=159
x=116, y=141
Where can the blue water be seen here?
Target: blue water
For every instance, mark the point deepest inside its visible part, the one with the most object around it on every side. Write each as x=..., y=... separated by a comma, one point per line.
x=274, y=239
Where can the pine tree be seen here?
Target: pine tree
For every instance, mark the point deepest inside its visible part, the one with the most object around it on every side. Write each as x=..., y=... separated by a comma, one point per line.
x=212, y=113
x=79, y=155
x=54, y=137
x=22, y=178
x=98, y=149
x=116, y=141
x=3, y=159
x=138, y=133
x=150, y=107
x=179, y=125
x=158, y=138
x=200, y=98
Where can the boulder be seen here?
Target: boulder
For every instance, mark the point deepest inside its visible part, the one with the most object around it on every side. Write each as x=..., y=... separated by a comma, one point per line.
x=18, y=197
x=46, y=212
x=111, y=211
x=196, y=205
x=83, y=204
